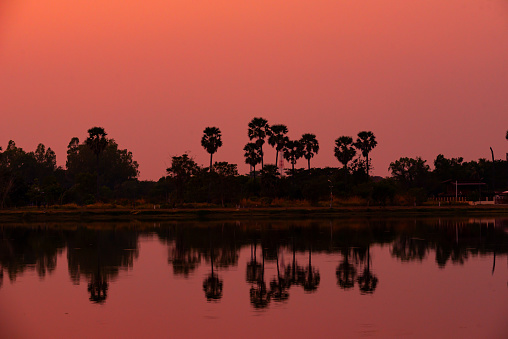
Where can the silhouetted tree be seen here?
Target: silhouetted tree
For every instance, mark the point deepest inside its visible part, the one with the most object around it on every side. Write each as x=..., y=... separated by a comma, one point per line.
x=259, y=129
x=366, y=142
x=252, y=156
x=97, y=142
x=344, y=152
x=278, y=139
x=410, y=172
x=292, y=152
x=211, y=141
x=182, y=169
x=310, y=146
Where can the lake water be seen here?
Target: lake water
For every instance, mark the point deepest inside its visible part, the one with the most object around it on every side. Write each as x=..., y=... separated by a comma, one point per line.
x=401, y=278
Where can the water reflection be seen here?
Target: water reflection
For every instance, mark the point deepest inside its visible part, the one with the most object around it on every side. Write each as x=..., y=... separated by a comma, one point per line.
x=98, y=252
x=98, y=255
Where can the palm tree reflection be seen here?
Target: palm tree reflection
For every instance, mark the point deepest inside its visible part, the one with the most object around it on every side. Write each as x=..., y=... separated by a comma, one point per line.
x=346, y=271
x=367, y=281
x=212, y=285
x=279, y=286
x=309, y=278
x=259, y=296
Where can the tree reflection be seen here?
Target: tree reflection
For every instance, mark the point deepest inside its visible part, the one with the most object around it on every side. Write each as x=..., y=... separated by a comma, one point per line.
x=98, y=255
x=409, y=248
x=212, y=285
x=259, y=296
x=367, y=281
x=31, y=247
x=253, y=266
x=183, y=259
x=279, y=285
x=309, y=278
x=346, y=271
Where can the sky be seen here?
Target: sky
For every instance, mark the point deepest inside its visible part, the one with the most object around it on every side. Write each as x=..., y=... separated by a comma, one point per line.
x=425, y=76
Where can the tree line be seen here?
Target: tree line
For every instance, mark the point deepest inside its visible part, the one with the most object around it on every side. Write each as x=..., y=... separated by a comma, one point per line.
x=97, y=170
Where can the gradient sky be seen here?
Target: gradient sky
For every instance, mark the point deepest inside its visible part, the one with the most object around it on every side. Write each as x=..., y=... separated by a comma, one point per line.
x=426, y=76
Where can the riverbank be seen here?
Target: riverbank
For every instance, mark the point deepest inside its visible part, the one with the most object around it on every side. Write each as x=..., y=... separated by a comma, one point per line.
x=188, y=214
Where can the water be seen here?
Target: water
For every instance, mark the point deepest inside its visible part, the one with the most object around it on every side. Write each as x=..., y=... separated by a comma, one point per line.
x=439, y=278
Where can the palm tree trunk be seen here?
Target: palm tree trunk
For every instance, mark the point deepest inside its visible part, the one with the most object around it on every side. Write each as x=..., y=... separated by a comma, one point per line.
x=367, y=163
x=308, y=161
x=211, y=155
x=262, y=156
x=97, y=171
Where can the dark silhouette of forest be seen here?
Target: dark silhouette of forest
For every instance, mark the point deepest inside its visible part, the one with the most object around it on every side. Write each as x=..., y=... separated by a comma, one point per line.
x=97, y=170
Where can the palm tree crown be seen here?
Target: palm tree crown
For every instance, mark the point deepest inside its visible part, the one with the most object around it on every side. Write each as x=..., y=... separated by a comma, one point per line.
x=96, y=140
x=211, y=141
x=259, y=129
x=366, y=142
x=252, y=155
x=277, y=138
x=310, y=146
x=292, y=152
x=344, y=150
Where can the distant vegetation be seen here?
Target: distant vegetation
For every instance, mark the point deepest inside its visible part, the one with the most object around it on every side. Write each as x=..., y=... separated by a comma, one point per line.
x=98, y=171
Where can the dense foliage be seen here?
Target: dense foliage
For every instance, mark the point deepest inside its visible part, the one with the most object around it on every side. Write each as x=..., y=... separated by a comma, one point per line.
x=97, y=170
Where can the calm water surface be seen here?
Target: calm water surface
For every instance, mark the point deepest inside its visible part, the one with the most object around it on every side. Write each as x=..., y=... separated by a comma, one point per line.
x=423, y=278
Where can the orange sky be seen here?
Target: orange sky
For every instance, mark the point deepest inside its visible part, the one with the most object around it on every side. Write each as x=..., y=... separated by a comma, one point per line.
x=426, y=76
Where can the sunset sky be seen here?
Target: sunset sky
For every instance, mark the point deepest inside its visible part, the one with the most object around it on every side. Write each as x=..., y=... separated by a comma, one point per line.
x=426, y=76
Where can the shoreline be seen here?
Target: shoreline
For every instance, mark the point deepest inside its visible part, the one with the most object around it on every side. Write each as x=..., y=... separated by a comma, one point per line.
x=260, y=213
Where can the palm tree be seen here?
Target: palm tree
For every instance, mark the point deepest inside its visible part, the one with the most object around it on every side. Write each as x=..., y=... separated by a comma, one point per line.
x=344, y=152
x=310, y=146
x=211, y=141
x=366, y=142
x=292, y=152
x=97, y=142
x=278, y=139
x=252, y=156
x=259, y=129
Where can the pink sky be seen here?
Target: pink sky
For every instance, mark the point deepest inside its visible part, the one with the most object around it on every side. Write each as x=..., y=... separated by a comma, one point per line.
x=427, y=77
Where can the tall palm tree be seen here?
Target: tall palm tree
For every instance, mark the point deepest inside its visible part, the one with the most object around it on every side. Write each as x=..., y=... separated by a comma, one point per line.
x=344, y=152
x=278, y=139
x=366, y=142
x=211, y=141
x=292, y=152
x=259, y=129
x=97, y=142
x=310, y=146
x=252, y=156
